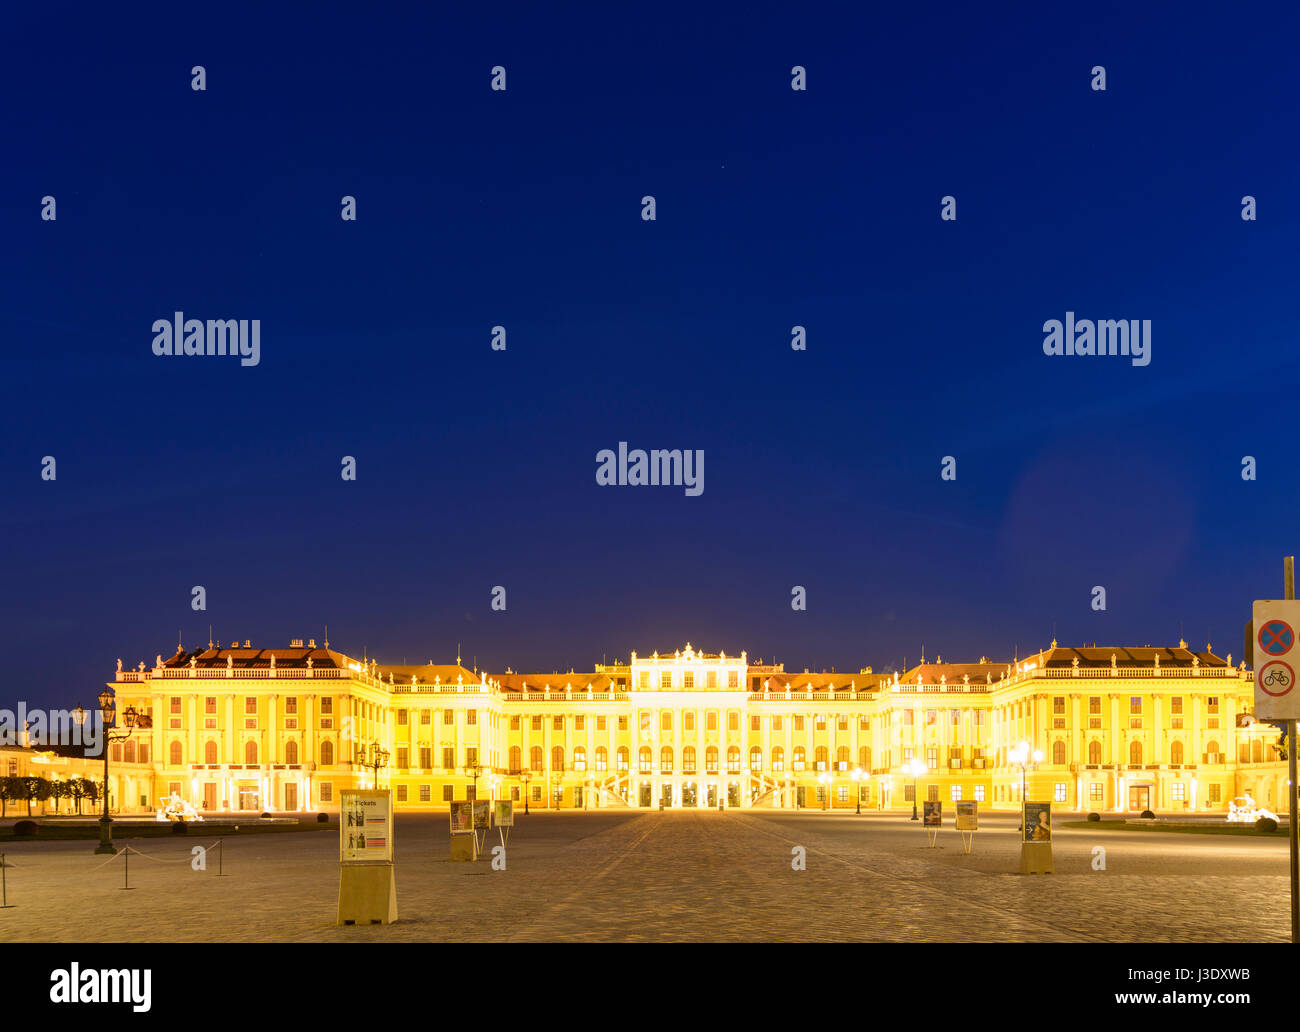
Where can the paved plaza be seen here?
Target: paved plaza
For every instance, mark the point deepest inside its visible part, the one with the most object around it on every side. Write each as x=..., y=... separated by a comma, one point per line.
x=677, y=875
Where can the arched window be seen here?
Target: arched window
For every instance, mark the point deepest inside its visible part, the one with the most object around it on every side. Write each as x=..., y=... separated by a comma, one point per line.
x=579, y=758
x=1135, y=753
x=210, y=753
x=535, y=761
x=1058, y=752
x=711, y=759
x=1094, y=751
x=1176, y=753
x=733, y=759
x=666, y=760
x=864, y=757
x=557, y=757
x=1212, y=752
x=516, y=757
x=176, y=754
x=327, y=754
x=643, y=759
x=291, y=753
x=842, y=758
x=602, y=758
x=778, y=758
x=622, y=757
x=819, y=758
x=799, y=758
x=756, y=758
x=688, y=759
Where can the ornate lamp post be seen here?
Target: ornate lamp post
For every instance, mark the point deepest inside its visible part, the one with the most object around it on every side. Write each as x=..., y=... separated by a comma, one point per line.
x=376, y=757
x=108, y=715
x=916, y=768
x=857, y=776
x=825, y=780
x=527, y=779
x=1021, y=757
x=475, y=772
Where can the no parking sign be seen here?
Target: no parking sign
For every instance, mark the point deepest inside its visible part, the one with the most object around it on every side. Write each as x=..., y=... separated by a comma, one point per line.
x=1276, y=660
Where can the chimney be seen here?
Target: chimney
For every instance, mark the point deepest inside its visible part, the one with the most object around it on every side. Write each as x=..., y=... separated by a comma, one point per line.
x=248, y=643
x=311, y=643
x=295, y=643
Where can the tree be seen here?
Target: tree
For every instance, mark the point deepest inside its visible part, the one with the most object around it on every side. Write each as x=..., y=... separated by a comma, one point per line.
x=10, y=791
x=90, y=789
x=41, y=790
x=77, y=791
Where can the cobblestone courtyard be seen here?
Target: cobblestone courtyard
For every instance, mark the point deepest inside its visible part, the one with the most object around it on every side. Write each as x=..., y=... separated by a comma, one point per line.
x=679, y=875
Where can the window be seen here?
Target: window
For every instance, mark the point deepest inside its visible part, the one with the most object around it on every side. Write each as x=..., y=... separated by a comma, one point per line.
x=864, y=757
x=1058, y=705
x=909, y=792
x=1094, y=705
x=1094, y=791
x=250, y=705
x=733, y=721
x=516, y=758
x=1135, y=704
x=1135, y=754
x=176, y=754
x=688, y=720
x=601, y=723
x=580, y=723
x=210, y=753
x=799, y=758
x=622, y=723
x=401, y=718
x=645, y=722
x=1058, y=792
x=535, y=758
x=956, y=793
x=1179, y=791
x=401, y=793
x=1094, y=752
x=326, y=708
x=733, y=679
x=579, y=758
x=1058, y=752
x=557, y=757
x=326, y=753
x=291, y=753
x=210, y=705
x=666, y=679
x=471, y=757
x=843, y=792
x=909, y=718
x=688, y=760
x=643, y=759
x=756, y=758
x=711, y=679
x=842, y=758
x=1176, y=753
x=819, y=722
x=979, y=793
x=778, y=723
x=932, y=757
x=819, y=758
x=250, y=754
x=688, y=679
x=666, y=720
x=842, y=723
x=666, y=760
x=326, y=791
x=449, y=718
x=175, y=703
x=778, y=758
x=1212, y=754
x=602, y=758
x=711, y=760
x=864, y=723
x=755, y=723
x=622, y=757
x=448, y=758
x=426, y=757
x=537, y=723
x=931, y=716
x=1216, y=793
x=1176, y=704
x=557, y=723
x=1212, y=703
x=798, y=723
x=733, y=760
x=514, y=723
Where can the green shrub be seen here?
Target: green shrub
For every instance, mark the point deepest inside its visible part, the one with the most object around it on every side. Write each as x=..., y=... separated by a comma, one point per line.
x=1094, y=816
x=1266, y=824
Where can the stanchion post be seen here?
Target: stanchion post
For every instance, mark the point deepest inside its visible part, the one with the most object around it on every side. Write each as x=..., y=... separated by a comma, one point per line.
x=1293, y=829
x=219, y=856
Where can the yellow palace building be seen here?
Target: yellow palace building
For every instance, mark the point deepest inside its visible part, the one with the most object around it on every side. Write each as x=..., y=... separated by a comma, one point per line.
x=1114, y=730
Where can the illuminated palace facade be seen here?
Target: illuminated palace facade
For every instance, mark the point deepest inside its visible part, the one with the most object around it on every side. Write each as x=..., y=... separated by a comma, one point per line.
x=250, y=729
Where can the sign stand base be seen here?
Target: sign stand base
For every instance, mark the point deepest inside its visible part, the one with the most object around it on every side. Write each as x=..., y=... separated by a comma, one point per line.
x=367, y=894
x=1036, y=858
x=464, y=846
x=967, y=841
x=931, y=834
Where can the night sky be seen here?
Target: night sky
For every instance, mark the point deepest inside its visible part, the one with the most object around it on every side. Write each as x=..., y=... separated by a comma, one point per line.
x=477, y=208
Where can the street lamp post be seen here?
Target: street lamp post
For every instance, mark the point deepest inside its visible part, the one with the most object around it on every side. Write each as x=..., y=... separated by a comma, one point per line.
x=857, y=776
x=377, y=758
x=1021, y=757
x=825, y=780
x=916, y=768
x=527, y=779
x=475, y=772
x=130, y=719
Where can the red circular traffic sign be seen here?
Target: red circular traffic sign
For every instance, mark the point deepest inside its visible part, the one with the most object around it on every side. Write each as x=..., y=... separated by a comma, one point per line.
x=1276, y=637
x=1275, y=678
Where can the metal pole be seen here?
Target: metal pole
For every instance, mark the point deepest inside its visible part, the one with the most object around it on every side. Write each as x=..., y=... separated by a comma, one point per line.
x=126, y=867
x=1293, y=828
x=219, y=857
x=4, y=887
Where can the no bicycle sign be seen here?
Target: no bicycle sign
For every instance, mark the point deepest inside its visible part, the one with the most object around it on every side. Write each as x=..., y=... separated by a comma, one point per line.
x=1276, y=660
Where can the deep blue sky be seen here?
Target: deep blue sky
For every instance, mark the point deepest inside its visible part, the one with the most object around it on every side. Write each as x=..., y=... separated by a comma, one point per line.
x=477, y=468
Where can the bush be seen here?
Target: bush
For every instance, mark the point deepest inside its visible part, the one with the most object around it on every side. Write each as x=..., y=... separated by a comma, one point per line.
x=178, y=828
x=1266, y=824
x=1094, y=816
x=265, y=814
x=1147, y=815
x=26, y=828
x=322, y=818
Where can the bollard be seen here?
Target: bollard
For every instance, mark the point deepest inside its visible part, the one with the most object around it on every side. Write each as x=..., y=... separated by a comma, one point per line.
x=126, y=867
x=4, y=887
x=219, y=841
